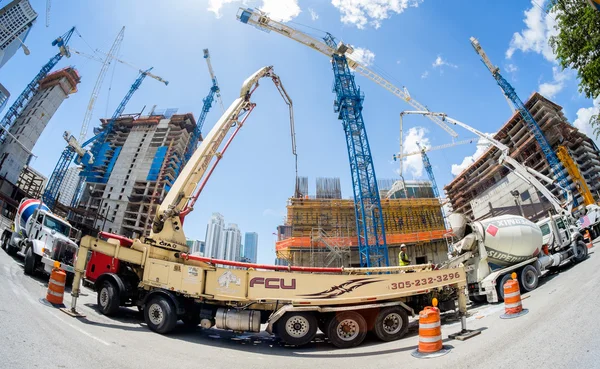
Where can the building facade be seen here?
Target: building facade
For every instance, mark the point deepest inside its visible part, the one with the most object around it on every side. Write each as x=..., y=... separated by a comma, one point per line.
x=16, y=19
x=232, y=243
x=251, y=246
x=68, y=186
x=196, y=247
x=213, y=239
x=15, y=153
x=4, y=96
x=136, y=166
x=470, y=189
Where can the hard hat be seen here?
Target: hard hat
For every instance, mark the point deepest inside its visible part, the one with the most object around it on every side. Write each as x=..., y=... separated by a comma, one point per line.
x=403, y=245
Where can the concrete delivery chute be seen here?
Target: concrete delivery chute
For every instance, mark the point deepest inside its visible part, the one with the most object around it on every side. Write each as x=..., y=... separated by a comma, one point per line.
x=491, y=249
x=157, y=274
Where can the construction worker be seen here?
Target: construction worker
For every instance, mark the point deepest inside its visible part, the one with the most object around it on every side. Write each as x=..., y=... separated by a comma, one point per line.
x=403, y=259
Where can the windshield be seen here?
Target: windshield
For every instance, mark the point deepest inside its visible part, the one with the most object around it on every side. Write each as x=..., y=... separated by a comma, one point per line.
x=545, y=229
x=57, y=225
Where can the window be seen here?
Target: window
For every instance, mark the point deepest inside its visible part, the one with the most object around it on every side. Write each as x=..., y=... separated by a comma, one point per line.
x=545, y=229
x=111, y=189
x=104, y=205
x=122, y=190
x=525, y=195
x=120, y=197
x=117, y=206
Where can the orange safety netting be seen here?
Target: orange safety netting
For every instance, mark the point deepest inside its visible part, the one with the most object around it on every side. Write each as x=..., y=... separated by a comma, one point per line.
x=305, y=242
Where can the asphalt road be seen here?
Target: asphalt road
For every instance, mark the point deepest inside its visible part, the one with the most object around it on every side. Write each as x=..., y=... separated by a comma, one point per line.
x=561, y=330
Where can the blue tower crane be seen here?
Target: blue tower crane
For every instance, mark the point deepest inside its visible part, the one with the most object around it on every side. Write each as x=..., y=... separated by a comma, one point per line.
x=429, y=170
x=372, y=245
x=534, y=128
x=21, y=101
x=207, y=104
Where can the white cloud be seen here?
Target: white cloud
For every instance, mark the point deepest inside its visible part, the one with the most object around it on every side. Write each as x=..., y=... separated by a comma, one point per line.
x=363, y=56
x=540, y=26
x=468, y=160
x=371, y=12
x=313, y=14
x=440, y=62
x=511, y=68
x=414, y=163
x=425, y=74
x=583, y=119
x=281, y=10
x=216, y=5
x=550, y=89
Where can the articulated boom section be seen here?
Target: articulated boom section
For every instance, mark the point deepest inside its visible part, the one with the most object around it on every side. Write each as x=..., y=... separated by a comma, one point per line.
x=371, y=234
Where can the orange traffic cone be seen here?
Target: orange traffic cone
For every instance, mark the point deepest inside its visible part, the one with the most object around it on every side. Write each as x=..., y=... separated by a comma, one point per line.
x=512, y=299
x=430, y=334
x=56, y=287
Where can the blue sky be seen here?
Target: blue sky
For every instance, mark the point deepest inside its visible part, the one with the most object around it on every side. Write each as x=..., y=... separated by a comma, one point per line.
x=424, y=47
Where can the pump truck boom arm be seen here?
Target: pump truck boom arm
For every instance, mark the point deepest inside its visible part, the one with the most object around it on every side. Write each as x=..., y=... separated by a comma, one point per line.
x=527, y=174
x=179, y=200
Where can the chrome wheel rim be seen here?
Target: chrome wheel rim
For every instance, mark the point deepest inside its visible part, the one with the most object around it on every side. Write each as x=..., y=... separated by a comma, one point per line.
x=297, y=326
x=156, y=314
x=347, y=329
x=104, y=297
x=392, y=323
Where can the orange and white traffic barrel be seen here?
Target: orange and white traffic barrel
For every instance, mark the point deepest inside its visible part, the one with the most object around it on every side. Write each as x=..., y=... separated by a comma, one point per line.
x=513, y=307
x=56, y=287
x=430, y=333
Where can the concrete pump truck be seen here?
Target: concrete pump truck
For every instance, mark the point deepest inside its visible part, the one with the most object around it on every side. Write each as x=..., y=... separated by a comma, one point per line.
x=157, y=274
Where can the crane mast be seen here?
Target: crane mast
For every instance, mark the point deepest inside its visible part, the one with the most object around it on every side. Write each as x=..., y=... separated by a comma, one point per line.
x=530, y=122
x=167, y=230
x=213, y=93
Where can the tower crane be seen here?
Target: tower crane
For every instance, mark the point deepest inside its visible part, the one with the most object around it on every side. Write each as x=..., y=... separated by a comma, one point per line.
x=214, y=92
x=370, y=230
x=530, y=122
x=96, y=91
x=21, y=101
x=77, y=151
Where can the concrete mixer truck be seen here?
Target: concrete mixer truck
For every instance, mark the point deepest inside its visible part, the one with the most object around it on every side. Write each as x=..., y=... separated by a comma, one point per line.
x=42, y=237
x=492, y=249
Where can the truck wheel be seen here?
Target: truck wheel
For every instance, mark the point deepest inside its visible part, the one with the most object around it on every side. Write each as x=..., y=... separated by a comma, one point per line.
x=160, y=314
x=4, y=241
x=108, y=298
x=347, y=329
x=31, y=261
x=391, y=323
x=297, y=328
x=581, y=252
x=500, y=286
x=529, y=278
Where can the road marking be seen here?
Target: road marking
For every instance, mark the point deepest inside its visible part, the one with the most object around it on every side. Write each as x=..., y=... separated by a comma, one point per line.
x=79, y=329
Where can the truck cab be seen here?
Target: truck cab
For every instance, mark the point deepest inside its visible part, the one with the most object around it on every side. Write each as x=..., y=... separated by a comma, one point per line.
x=42, y=237
x=558, y=232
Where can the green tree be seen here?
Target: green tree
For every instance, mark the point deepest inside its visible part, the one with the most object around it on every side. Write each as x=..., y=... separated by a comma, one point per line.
x=577, y=45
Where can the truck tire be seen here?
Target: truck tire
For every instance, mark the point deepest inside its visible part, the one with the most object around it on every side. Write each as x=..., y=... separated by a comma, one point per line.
x=31, y=261
x=529, y=278
x=297, y=328
x=108, y=298
x=500, y=286
x=347, y=329
x=391, y=323
x=582, y=252
x=160, y=314
x=4, y=241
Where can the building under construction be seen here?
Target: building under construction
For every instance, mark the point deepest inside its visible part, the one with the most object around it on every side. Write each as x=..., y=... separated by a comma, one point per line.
x=138, y=164
x=477, y=191
x=321, y=230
